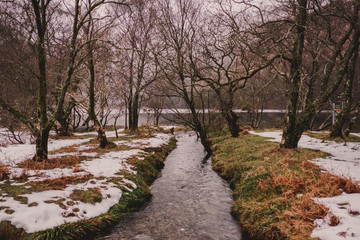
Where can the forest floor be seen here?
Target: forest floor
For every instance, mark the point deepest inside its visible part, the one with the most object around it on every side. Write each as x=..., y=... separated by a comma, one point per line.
x=304, y=193
x=65, y=195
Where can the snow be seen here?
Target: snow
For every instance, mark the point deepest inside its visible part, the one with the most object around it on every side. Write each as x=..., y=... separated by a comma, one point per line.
x=110, y=163
x=344, y=162
x=156, y=141
x=45, y=214
x=347, y=208
x=16, y=153
x=48, y=215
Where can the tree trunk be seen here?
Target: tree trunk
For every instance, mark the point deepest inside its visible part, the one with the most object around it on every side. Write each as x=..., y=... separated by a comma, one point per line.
x=130, y=114
x=205, y=140
x=91, y=66
x=126, y=117
x=352, y=123
x=344, y=115
x=291, y=133
x=290, y=137
x=43, y=133
x=42, y=145
x=64, y=121
x=134, y=114
x=231, y=120
x=157, y=113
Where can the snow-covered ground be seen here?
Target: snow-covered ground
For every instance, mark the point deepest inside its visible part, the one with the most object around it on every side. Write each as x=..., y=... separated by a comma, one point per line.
x=345, y=162
x=41, y=211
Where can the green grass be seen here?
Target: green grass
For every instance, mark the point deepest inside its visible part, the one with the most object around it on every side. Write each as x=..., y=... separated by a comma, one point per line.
x=326, y=137
x=15, y=191
x=267, y=181
x=91, y=195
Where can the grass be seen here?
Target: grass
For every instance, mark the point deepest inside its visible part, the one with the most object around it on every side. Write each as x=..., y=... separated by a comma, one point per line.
x=273, y=187
x=15, y=191
x=326, y=137
x=92, y=195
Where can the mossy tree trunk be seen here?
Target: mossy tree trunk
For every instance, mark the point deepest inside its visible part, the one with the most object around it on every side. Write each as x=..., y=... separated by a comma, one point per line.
x=291, y=130
x=134, y=114
x=344, y=116
x=91, y=67
x=231, y=120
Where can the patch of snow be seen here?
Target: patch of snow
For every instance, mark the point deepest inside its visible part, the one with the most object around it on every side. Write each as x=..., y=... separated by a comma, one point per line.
x=89, y=154
x=168, y=127
x=113, y=134
x=110, y=163
x=85, y=133
x=347, y=208
x=48, y=215
x=86, y=147
x=122, y=142
x=58, y=155
x=40, y=175
x=156, y=141
x=355, y=134
x=14, y=154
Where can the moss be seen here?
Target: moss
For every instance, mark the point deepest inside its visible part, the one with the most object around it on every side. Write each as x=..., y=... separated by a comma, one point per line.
x=266, y=181
x=59, y=202
x=9, y=211
x=15, y=191
x=92, y=195
x=33, y=204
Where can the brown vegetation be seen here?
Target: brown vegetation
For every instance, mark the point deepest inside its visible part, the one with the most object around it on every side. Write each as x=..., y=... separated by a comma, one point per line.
x=59, y=162
x=4, y=172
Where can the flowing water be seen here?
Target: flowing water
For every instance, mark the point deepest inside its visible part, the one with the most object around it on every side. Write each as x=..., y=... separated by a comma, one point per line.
x=190, y=201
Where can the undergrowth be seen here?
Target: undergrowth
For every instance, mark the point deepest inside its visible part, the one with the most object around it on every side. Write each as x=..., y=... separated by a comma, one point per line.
x=273, y=187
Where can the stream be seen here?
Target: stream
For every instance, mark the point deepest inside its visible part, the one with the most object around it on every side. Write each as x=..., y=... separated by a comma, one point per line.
x=190, y=201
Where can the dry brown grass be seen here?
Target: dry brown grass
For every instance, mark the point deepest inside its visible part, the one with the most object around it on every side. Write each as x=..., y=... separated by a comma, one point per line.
x=58, y=183
x=274, y=187
x=22, y=177
x=60, y=162
x=4, y=172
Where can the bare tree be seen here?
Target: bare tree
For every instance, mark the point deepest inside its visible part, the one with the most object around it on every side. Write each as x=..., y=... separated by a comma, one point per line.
x=40, y=13
x=138, y=68
x=178, y=32
x=340, y=54
x=344, y=116
x=315, y=58
x=230, y=60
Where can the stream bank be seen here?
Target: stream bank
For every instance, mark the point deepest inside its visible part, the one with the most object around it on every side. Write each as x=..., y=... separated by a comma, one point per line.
x=190, y=201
